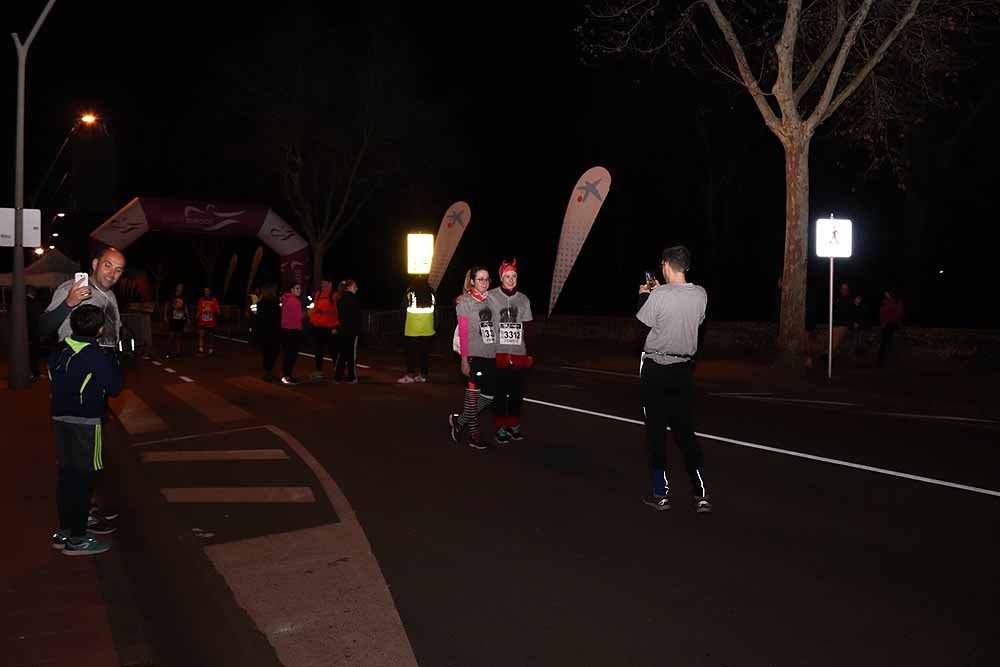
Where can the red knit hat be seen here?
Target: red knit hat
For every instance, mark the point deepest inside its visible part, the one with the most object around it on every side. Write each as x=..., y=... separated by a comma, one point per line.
x=506, y=266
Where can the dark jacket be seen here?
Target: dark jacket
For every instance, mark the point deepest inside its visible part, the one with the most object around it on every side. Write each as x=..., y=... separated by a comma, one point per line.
x=349, y=310
x=267, y=323
x=82, y=378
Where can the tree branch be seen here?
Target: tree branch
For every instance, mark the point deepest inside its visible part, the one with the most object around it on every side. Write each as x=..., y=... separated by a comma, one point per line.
x=820, y=111
x=749, y=80
x=784, y=83
x=870, y=65
x=824, y=57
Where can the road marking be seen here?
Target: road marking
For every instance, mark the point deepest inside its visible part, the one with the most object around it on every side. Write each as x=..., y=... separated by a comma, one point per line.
x=781, y=399
x=135, y=415
x=595, y=370
x=787, y=452
x=169, y=370
x=186, y=378
x=197, y=435
x=210, y=405
x=941, y=417
x=239, y=494
x=157, y=363
x=216, y=455
x=301, y=354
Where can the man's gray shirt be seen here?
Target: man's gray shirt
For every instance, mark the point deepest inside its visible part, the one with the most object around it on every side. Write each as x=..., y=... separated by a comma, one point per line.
x=56, y=316
x=673, y=312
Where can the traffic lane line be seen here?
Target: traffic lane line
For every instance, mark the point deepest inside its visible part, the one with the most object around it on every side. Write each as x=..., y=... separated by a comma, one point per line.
x=786, y=452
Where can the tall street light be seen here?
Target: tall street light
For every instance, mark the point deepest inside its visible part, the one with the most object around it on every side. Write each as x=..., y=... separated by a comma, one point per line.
x=18, y=374
x=86, y=119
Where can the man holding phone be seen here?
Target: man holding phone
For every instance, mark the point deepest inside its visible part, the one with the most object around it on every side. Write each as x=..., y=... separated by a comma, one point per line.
x=95, y=289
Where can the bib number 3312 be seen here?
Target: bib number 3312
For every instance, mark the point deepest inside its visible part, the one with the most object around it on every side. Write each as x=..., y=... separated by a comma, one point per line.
x=510, y=333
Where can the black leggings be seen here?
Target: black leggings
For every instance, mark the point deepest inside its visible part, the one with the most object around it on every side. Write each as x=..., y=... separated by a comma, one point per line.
x=347, y=349
x=417, y=353
x=508, y=383
x=323, y=342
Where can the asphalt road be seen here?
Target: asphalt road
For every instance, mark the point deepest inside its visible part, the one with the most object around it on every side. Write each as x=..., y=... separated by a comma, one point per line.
x=844, y=532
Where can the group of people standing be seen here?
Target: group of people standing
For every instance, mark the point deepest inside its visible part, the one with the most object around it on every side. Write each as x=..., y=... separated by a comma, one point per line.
x=494, y=355
x=331, y=318
x=177, y=316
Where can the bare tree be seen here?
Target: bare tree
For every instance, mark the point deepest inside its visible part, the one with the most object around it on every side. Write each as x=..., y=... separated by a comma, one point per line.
x=882, y=55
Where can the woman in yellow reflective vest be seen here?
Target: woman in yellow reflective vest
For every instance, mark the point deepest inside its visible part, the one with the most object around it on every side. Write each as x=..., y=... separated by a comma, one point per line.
x=418, y=331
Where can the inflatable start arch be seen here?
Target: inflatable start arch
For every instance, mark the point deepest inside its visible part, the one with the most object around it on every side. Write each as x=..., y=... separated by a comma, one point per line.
x=144, y=214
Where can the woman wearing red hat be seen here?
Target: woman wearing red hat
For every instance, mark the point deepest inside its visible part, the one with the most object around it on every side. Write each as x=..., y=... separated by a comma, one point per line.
x=512, y=310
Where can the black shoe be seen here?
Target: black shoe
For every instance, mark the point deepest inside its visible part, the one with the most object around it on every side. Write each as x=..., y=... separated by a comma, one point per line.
x=96, y=526
x=702, y=505
x=103, y=513
x=503, y=436
x=478, y=444
x=515, y=433
x=456, y=428
x=659, y=503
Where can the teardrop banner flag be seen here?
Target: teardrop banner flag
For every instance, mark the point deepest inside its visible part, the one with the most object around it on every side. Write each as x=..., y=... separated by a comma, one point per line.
x=584, y=203
x=453, y=225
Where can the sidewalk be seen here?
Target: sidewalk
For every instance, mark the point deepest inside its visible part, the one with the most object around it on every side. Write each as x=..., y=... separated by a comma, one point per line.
x=52, y=610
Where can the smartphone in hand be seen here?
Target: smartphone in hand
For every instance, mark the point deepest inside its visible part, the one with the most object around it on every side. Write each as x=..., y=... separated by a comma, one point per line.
x=650, y=280
x=78, y=276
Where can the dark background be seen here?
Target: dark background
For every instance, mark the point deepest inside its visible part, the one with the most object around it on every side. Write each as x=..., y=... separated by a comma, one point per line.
x=494, y=105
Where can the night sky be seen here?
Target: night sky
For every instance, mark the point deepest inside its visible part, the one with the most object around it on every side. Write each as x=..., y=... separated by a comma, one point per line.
x=494, y=105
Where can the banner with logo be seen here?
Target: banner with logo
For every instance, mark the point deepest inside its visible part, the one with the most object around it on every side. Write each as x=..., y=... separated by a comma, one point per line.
x=584, y=203
x=144, y=214
x=453, y=225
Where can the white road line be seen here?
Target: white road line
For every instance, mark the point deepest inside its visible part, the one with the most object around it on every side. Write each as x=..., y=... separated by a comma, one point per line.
x=186, y=378
x=941, y=417
x=780, y=399
x=301, y=354
x=197, y=435
x=786, y=452
x=169, y=370
x=157, y=363
x=239, y=494
x=598, y=371
x=215, y=455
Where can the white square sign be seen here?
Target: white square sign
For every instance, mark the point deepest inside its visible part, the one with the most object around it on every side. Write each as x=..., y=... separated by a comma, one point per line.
x=833, y=238
x=32, y=227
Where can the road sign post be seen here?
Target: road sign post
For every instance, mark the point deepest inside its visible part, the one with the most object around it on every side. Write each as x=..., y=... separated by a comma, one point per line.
x=833, y=239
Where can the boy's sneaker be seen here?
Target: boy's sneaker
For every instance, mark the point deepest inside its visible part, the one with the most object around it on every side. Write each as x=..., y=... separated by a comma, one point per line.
x=104, y=513
x=515, y=433
x=478, y=444
x=96, y=526
x=406, y=379
x=503, y=436
x=289, y=380
x=659, y=503
x=456, y=428
x=420, y=378
x=702, y=505
x=59, y=539
x=84, y=546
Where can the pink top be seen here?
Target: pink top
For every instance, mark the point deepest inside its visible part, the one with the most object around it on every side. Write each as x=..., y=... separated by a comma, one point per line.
x=291, y=312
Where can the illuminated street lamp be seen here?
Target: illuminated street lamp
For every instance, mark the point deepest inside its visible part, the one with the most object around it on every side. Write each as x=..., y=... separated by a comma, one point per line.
x=419, y=253
x=39, y=250
x=87, y=119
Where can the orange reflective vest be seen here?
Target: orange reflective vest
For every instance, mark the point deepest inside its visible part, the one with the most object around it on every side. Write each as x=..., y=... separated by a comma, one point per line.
x=324, y=309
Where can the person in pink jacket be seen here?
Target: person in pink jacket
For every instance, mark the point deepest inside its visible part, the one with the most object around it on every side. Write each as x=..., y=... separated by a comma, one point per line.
x=292, y=316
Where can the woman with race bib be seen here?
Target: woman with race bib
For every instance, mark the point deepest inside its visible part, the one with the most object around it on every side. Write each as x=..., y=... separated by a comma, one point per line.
x=512, y=310
x=478, y=349
x=208, y=312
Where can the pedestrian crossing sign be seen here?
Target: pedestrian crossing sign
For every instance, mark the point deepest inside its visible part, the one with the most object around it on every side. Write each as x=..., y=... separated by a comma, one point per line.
x=833, y=237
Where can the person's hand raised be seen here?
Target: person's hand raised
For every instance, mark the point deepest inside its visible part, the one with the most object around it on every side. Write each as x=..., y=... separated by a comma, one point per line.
x=78, y=293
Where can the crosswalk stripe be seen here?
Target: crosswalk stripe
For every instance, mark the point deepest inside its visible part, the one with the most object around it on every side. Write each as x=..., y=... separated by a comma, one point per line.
x=207, y=403
x=216, y=455
x=239, y=494
x=135, y=415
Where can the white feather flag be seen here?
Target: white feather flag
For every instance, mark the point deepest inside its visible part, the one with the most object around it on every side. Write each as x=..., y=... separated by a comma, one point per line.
x=584, y=203
x=453, y=225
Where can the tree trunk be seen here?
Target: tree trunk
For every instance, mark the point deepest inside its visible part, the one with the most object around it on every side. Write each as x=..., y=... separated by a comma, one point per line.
x=792, y=339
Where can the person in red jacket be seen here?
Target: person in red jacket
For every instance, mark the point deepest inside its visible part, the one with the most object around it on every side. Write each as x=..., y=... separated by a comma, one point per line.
x=324, y=320
x=890, y=316
x=207, y=316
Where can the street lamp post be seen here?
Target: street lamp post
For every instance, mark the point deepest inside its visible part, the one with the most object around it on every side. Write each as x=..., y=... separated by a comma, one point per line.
x=86, y=119
x=18, y=374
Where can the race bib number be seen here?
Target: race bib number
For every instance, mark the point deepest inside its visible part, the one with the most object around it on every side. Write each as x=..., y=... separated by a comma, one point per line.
x=207, y=316
x=486, y=331
x=510, y=333
x=178, y=314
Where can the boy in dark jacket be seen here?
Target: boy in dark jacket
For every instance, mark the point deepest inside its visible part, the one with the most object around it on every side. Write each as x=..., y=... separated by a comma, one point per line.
x=82, y=378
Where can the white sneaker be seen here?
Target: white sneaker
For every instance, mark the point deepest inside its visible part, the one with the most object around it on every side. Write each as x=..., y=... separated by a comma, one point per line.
x=290, y=381
x=406, y=379
x=420, y=378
